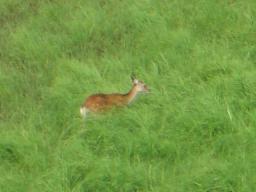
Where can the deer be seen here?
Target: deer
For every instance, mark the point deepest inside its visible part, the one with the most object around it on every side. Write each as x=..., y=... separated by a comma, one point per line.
x=102, y=102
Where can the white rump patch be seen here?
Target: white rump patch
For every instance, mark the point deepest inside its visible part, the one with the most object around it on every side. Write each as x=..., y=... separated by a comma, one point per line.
x=83, y=112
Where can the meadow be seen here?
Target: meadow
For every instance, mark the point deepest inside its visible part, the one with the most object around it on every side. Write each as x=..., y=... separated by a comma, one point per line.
x=194, y=132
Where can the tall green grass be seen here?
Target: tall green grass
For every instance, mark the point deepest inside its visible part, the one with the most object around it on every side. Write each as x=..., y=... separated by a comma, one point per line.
x=195, y=131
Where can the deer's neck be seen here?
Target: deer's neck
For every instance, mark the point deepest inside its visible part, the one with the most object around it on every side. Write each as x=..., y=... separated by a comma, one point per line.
x=131, y=95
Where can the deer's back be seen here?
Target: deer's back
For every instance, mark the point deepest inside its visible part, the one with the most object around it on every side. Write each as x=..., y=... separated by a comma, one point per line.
x=101, y=102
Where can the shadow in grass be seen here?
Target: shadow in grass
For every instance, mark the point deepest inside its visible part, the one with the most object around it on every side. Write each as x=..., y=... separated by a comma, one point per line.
x=9, y=153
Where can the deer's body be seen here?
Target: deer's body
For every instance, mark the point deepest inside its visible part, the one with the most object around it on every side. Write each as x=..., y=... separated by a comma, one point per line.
x=102, y=102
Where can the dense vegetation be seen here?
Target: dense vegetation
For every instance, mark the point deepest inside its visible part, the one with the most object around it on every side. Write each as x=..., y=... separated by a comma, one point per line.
x=195, y=131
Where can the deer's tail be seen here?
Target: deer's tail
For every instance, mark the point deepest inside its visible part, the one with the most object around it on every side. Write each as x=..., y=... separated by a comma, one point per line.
x=83, y=111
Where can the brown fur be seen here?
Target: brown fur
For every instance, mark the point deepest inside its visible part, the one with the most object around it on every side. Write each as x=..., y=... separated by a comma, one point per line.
x=101, y=102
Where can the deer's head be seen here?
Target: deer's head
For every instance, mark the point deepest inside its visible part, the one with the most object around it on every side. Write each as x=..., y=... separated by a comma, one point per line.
x=140, y=86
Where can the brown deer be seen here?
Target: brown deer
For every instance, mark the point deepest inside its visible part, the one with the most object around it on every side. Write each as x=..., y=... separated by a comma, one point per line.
x=102, y=102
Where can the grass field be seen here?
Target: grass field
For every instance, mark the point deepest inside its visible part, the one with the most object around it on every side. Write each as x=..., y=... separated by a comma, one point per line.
x=195, y=131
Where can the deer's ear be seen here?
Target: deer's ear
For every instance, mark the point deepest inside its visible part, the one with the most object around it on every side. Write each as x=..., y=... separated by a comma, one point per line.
x=133, y=77
x=135, y=81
